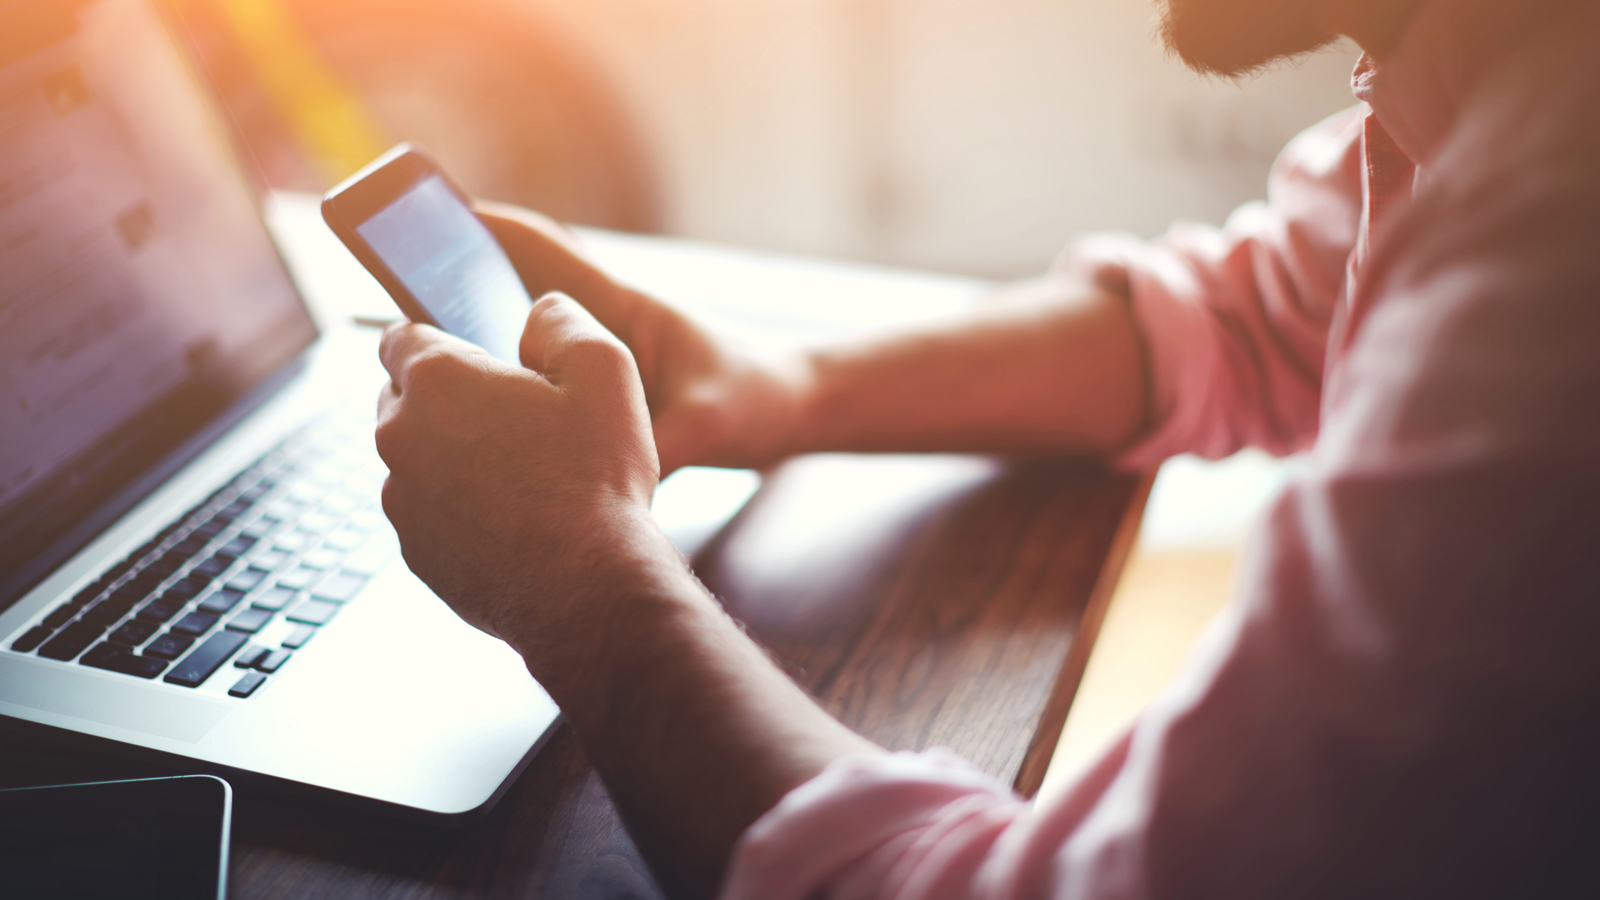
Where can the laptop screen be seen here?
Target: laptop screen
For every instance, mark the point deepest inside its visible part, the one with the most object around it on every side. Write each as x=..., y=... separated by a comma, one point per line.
x=140, y=295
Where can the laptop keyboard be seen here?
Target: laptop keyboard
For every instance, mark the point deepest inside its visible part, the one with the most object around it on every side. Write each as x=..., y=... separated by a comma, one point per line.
x=248, y=576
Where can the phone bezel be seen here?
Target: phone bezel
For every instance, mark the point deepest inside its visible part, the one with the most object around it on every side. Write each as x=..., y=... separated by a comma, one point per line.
x=207, y=798
x=366, y=193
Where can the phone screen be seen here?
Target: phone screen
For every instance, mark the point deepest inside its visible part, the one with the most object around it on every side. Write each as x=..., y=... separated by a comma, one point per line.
x=152, y=837
x=453, y=265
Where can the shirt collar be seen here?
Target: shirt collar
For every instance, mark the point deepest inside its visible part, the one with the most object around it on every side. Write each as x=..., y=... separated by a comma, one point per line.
x=1417, y=91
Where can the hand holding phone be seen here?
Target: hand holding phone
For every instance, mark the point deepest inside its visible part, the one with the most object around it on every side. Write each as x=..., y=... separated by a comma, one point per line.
x=415, y=231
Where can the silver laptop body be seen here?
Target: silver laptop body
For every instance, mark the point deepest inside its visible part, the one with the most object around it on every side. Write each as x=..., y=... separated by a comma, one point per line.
x=167, y=404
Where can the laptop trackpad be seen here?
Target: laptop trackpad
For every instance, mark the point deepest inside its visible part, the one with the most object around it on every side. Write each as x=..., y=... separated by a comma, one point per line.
x=106, y=700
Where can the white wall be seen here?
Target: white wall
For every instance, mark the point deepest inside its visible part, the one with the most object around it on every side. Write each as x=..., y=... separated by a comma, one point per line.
x=965, y=135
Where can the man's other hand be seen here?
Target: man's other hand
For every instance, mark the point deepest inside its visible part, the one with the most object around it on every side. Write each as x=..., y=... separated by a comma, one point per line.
x=520, y=494
x=713, y=400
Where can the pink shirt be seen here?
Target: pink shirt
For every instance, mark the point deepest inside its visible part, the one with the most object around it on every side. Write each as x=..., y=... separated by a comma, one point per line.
x=1404, y=698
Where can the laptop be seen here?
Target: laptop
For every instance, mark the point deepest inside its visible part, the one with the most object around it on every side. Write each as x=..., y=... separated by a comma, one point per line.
x=194, y=561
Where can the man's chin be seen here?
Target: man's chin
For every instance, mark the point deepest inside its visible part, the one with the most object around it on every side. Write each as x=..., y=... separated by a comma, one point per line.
x=1233, y=38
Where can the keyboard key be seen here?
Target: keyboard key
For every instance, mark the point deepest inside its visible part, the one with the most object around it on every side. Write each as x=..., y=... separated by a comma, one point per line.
x=221, y=601
x=188, y=588
x=250, y=620
x=190, y=547
x=292, y=542
x=298, y=637
x=250, y=656
x=196, y=623
x=120, y=659
x=169, y=646
x=238, y=546
x=61, y=616
x=345, y=539
x=323, y=558
x=282, y=508
x=163, y=607
x=260, y=528
x=140, y=586
x=73, y=640
x=195, y=668
x=130, y=592
x=314, y=612
x=306, y=493
x=272, y=661
x=299, y=579
x=273, y=598
x=35, y=636
x=315, y=523
x=134, y=632
x=246, y=581
x=106, y=612
x=212, y=567
x=89, y=593
x=270, y=561
x=247, y=685
x=340, y=588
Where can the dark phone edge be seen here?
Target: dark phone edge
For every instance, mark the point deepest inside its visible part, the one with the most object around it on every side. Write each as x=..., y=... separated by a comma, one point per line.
x=354, y=191
x=227, y=813
x=383, y=808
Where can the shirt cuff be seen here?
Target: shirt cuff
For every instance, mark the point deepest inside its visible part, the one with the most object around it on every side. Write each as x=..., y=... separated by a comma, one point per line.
x=1163, y=296
x=854, y=821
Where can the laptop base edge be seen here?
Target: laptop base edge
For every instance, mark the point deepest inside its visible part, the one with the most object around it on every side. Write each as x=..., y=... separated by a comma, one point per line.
x=118, y=756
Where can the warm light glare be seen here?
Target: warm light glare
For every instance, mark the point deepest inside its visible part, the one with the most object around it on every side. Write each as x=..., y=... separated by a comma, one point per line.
x=331, y=122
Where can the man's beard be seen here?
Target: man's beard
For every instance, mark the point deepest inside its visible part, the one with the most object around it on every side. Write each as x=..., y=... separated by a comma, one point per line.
x=1232, y=38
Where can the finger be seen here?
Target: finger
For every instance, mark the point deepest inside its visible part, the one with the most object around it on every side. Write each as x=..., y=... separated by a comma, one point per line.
x=384, y=438
x=548, y=259
x=387, y=396
x=545, y=253
x=566, y=343
x=403, y=342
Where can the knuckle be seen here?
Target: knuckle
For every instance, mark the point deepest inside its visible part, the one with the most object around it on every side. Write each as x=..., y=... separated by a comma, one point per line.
x=432, y=367
x=388, y=440
x=392, y=504
x=599, y=348
x=549, y=306
x=602, y=356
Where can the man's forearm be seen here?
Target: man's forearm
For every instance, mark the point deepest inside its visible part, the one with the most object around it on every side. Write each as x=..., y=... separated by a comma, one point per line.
x=695, y=732
x=1057, y=367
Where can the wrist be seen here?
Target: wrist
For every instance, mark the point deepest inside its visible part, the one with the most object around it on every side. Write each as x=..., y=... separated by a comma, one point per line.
x=577, y=638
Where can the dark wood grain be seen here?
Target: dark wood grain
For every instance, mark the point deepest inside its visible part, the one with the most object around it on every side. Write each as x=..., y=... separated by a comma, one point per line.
x=926, y=601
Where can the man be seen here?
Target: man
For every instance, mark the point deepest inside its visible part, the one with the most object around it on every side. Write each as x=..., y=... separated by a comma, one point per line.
x=1405, y=697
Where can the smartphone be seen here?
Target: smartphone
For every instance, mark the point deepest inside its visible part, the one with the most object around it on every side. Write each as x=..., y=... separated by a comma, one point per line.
x=415, y=231
x=147, y=838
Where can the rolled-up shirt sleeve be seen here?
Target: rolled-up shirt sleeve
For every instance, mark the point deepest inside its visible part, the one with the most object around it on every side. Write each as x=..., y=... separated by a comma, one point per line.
x=1235, y=320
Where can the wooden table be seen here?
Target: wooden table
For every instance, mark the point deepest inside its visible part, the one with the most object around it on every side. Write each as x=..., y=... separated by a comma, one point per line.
x=924, y=600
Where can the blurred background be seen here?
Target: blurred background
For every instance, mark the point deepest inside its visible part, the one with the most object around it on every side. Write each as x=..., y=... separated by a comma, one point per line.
x=968, y=136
